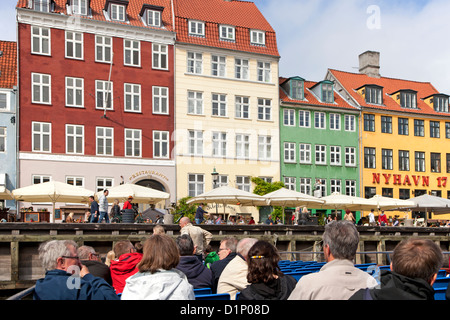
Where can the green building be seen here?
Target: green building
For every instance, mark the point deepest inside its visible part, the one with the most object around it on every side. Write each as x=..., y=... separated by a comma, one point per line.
x=318, y=139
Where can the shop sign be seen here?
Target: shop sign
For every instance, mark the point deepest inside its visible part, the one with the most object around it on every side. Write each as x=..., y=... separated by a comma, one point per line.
x=406, y=180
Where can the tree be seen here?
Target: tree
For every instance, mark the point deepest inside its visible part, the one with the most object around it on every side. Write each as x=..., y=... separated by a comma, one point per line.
x=262, y=188
x=182, y=208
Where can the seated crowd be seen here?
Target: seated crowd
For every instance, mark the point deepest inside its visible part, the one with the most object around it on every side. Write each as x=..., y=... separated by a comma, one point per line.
x=163, y=268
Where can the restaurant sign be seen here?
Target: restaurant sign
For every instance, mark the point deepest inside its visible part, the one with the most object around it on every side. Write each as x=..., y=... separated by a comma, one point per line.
x=406, y=180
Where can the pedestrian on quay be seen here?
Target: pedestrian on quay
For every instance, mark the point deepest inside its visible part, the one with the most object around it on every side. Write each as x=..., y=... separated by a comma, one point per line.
x=415, y=264
x=94, y=210
x=199, y=214
x=338, y=279
x=372, y=221
x=103, y=206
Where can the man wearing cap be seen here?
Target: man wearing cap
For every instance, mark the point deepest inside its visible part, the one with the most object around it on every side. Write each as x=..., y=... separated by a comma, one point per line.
x=127, y=204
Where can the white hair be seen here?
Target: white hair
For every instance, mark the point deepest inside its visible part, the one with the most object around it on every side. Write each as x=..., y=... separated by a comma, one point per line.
x=50, y=251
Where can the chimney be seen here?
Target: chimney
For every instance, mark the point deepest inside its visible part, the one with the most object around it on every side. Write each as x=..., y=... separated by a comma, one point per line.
x=369, y=63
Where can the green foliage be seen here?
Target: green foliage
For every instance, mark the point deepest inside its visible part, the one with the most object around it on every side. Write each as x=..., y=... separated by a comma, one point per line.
x=262, y=188
x=187, y=209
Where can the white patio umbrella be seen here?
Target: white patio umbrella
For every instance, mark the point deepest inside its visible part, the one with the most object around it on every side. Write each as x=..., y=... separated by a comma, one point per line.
x=428, y=203
x=139, y=193
x=289, y=198
x=339, y=201
x=52, y=191
x=385, y=203
x=228, y=195
x=5, y=194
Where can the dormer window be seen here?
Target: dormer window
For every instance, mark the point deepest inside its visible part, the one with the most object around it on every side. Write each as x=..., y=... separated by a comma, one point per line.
x=440, y=103
x=407, y=98
x=152, y=15
x=258, y=37
x=41, y=5
x=80, y=7
x=117, y=9
x=196, y=28
x=373, y=94
x=327, y=92
x=227, y=33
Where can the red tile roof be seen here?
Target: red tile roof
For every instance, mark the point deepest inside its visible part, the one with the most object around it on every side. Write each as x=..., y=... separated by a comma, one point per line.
x=133, y=9
x=310, y=99
x=352, y=81
x=244, y=15
x=8, y=64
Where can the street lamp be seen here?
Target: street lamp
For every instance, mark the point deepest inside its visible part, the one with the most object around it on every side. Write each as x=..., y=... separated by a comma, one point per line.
x=215, y=178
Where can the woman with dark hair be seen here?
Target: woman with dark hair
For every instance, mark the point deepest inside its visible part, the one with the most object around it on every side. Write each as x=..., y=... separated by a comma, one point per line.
x=266, y=280
x=157, y=278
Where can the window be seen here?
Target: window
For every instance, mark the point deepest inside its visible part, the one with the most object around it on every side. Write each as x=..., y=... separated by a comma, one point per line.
x=321, y=154
x=196, y=184
x=160, y=57
x=161, y=144
x=218, y=65
x=132, y=97
x=350, y=123
x=40, y=179
x=196, y=28
x=222, y=181
x=322, y=186
x=419, y=161
x=350, y=188
x=369, y=122
x=387, y=192
x=195, y=142
x=80, y=7
x=264, y=109
x=257, y=37
x=195, y=63
x=335, y=155
x=369, y=158
x=335, y=185
x=350, y=156
x=419, y=128
x=104, y=183
x=408, y=99
x=241, y=69
x=264, y=147
x=160, y=100
x=289, y=117
x=335, y=121
x=219, y=144
x=374, y=95
x=40, y=40
x=103, y=93
x=387, y=159
x=131, y=53
x=305, y=153
x=2, y=139
x=447, y=130
x=74, y=139
x=41, y=88
x=105, y=140
x=75, y=181
x=133, y=142
x=74, y=92
x=263, y=70
x=41, y=5
x=219, y=105
x=195, y=102
x=290, y=183
x=289, y=152
x=242, y=146
x=435, y=129
x=386, y=124
x=448, y=162
x=4, y=101
x=227, y=33
x=404, y=194
x=327, y=93
x=305, y=185
x=304, y=119
x=440, y=103
x=403, y=160
x=369, y=192
x=242, y=107
x=74, y=45
x=435, y=162
x=41, y=136
x=296, y=89
x=117, y=12
x=403, y=126
x=243, y=183
x=319, y=120
x=154, y=18
x=103, y=49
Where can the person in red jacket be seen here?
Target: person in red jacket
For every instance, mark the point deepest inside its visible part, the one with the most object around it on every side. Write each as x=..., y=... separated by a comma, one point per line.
x=125, y=265
x=382, y=219
x=127, y=204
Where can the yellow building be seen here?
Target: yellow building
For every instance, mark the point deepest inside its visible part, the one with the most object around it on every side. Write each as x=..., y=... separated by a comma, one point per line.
x=226, y=82
x=405, y=133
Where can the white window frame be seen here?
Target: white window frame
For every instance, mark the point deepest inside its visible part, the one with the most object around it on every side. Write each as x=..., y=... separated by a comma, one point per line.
x=350, y=123
x=335, y=155
x=195, y=103
x=106, y=139
x=195, y=142
x=321, y=117
x=42, y=41
x=196, y=28
x=242, y=110
x=290, y=152
x=160, y=100
x=41, y=135
x=321, y=154
x=161, y=142
x=132, y=97
x=102, y=183
x=304, y=119
x=335, y=185
x=41, y=177
x=290, y=183
x=350, y=188
x=197, y=182
x=154, y=18
x=131, y=53
x=243, y=183
x=264, y=71
x=242, y=146
x=219, y=105
x=219, y=144
x=42, y=85
x=305, y=186
x=5, y=101
x=241, y=69
x=218, y=65
x=41, y=5
x=264, y=109
x=335, y=121
x=264, y=147
x=3, y=139
x=75, y=41
x=133, y=142
x=80, y=7
x=227, y=33
x=289, y=117
x=305, y=153
x=257, y=37
x=160, y=57
x=106, y=90
x=117, y=12
x=350, y=156
x=75, y=137
x=194, y=62
x=101, y=42
x=76, y=89
x=74, y=180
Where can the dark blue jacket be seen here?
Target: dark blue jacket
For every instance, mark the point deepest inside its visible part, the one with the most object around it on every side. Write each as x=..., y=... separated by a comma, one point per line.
x=198, y=275
x=59, y=285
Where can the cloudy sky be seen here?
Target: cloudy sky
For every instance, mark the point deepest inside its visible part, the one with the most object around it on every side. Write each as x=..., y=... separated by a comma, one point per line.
x=314, y=35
